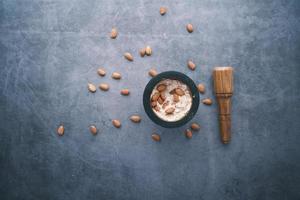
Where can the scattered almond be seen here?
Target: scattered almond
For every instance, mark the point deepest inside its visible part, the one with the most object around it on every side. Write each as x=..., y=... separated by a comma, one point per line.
x=116, y=123
x=113, y=33
x=175, y=98
x=116, y=75
x=179, y=91
x=135, y=118
x=195, y=126
x=191, y=65
x=162, y=10
x=128, y=56
x=207, y=101
x=161, y=87
x=152, y=72
x=148, y=51
x=155, y=96
x=93, y=130
x=143, y=52
x=188, y=133
x=189, y=28
x=156, y=137
x=170, y=110
x=61, y=130
x=125, y=92
x=92, y=87
x=101, y=72
x=104, y=86
x=201, y=88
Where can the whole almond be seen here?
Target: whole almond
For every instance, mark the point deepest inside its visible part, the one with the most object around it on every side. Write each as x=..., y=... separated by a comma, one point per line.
x=179, y=91
x=195, y=126
x=101, y=72
x=104, y=86
x=165, y=104
x=162, y=10
x=93, y=129
x=143, y=52
x=175, y=98
x=61, y=130
x=148, y=51
x=125, y=92
x=188, y=133
x=152, y=72
x=135, y=118
x=128, y=56
x=155, y=96
x=163, y=96
x=116, y=123
x=191, y=65
x=92, y=88
x=160, y=100
x=114, y=33
x=116, y=75
x=201, y=88
x=156, y=137
x=207, y=101
x=169, y=110
x=189, y=28
x=153, y=103
x=161, y=87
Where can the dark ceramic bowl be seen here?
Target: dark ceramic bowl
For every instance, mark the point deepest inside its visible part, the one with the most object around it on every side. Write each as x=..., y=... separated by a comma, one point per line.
x=177, y=76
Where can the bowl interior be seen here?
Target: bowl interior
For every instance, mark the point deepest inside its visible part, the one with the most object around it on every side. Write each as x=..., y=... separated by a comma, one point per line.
x=171, y=75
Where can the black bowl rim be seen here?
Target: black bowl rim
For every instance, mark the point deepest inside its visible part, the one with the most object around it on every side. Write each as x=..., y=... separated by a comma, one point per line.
x=171, y=75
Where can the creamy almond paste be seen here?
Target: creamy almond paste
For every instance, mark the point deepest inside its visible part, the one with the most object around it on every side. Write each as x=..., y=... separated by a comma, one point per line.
x=171, y=100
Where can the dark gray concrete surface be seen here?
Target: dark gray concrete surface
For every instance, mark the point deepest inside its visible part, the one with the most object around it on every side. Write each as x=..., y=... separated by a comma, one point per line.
x=50, y=50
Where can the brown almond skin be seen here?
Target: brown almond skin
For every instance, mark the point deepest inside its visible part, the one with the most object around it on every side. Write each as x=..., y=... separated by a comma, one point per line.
x=116, y=75
x=153, y=103
x=201, y=88
x=101, y=72
x=165, y=104
x=92, y=88
x=191, y=65
x=155, y=97
x=156, y=137
x=189, y=28
x=175, y=98
x=152, y=72
x=104, y=86
x=195, y=126
x=160, y=100
x=161, y=87
x=113, y=33
x=61, y=130
x=188, y=133
x=179, y=91
x=157, y=108
x=116, y=123
x=125, y=92
x=173, y=91
x=162, y=10
x=207, y=101
x=148, y=51
x=170, y=110
x=163, y=96
x=143, y=52
x=135, y=118
x=128, y=56
x=93, y=129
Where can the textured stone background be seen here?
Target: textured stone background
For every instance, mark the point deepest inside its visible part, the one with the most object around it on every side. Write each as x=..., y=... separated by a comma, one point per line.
x=50, y=49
